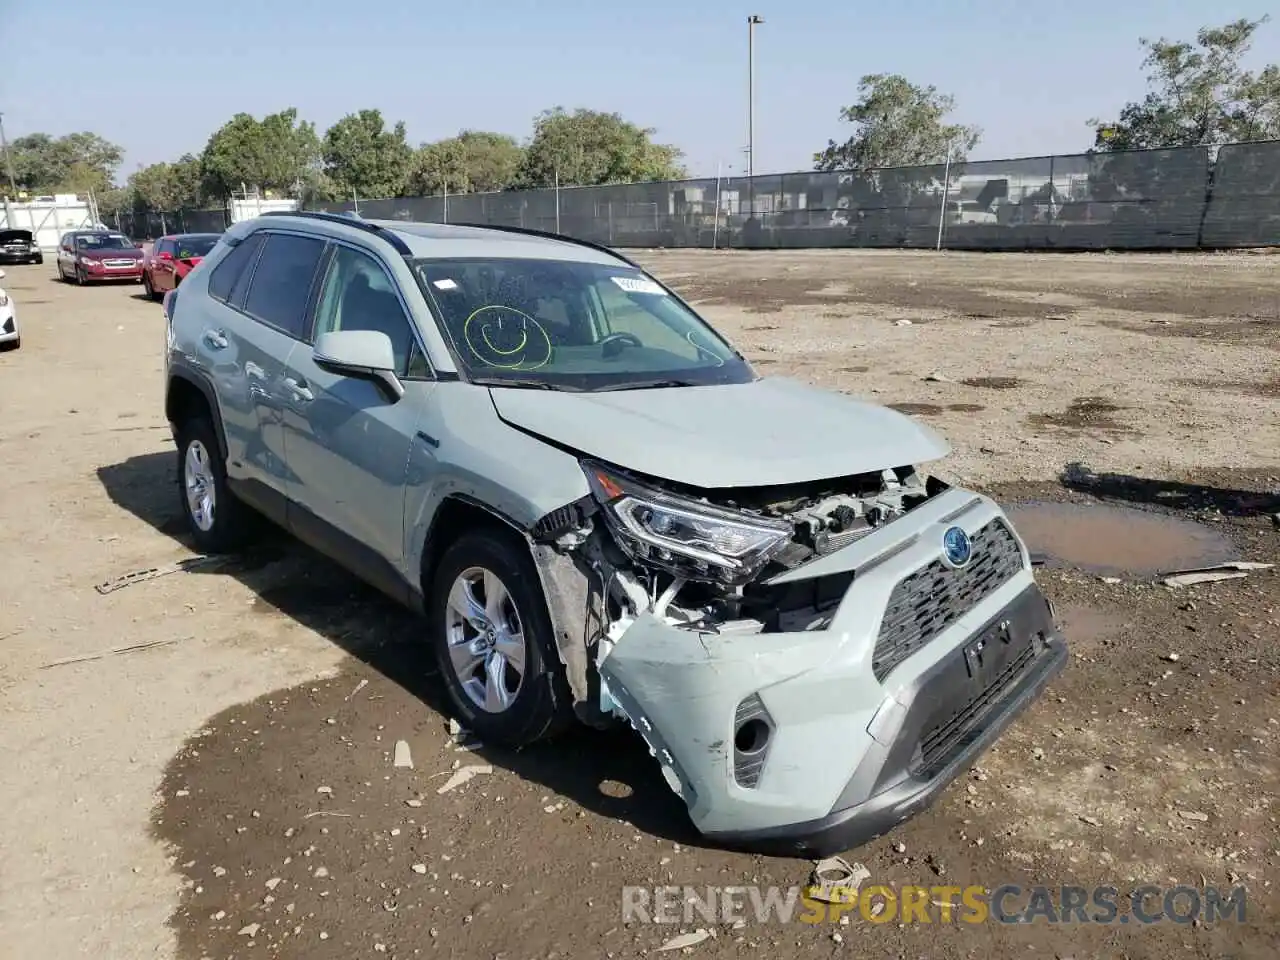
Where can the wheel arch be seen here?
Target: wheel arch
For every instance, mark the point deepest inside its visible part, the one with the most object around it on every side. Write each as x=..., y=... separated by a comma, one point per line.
x=189, y=394
x=456, y=515
x=566, y=588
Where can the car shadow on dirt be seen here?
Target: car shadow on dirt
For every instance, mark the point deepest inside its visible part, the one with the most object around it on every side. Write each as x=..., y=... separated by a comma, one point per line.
x=288, y=577
x=1171, y=494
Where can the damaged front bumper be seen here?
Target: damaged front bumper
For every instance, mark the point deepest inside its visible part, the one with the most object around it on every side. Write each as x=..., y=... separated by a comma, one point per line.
x=809, y=743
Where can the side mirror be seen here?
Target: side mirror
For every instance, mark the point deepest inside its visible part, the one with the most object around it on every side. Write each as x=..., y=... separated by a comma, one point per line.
x=363, y=354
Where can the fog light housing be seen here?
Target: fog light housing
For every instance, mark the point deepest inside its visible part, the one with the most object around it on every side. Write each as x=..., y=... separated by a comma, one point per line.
x=752, y=736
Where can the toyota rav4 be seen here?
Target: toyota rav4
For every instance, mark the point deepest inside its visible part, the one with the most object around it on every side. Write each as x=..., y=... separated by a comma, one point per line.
x=606, y=515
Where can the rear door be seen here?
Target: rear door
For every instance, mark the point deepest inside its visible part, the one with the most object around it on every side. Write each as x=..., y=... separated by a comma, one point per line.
x=262, y=300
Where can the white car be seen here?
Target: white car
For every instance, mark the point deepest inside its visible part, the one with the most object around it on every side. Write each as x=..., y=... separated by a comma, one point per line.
x=10, y=339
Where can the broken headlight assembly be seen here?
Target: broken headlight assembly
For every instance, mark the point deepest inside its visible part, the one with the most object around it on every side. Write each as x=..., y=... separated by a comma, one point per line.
x=687, y=538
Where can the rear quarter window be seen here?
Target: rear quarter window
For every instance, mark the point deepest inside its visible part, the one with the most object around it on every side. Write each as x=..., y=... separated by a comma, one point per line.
x=230, y=278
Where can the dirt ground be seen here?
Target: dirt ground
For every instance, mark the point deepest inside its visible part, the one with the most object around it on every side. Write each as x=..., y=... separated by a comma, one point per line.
x=226, y=789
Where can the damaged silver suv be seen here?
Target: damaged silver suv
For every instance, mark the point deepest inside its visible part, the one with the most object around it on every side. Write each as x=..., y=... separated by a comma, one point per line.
x=607, y=516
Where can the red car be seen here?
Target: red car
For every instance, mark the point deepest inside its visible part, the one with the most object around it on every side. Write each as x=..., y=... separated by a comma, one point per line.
x=87, y=256
x=172, y=258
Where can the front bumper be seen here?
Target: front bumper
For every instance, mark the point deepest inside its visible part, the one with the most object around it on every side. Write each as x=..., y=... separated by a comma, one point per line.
x=856, y=742
x=21, y=256
x=118, y=273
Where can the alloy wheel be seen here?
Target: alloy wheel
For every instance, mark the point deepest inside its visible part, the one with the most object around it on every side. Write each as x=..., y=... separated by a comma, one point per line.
x=198, y=481
x=486, y=639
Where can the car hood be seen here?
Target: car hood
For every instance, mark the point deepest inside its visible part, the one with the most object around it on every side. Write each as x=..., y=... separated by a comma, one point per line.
x=15, y=236
x=771, y=431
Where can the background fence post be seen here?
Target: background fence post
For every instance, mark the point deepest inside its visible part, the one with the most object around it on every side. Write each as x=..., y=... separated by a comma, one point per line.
x=946, y=190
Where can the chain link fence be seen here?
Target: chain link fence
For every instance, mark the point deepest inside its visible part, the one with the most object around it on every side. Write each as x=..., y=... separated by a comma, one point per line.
x=149, y=224
x=1184, y=198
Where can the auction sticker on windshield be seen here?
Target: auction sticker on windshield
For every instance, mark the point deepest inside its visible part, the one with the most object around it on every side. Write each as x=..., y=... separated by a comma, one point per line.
x=639, y=285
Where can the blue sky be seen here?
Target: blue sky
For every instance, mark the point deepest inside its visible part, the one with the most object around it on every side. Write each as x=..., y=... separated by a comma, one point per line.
x=157, y=82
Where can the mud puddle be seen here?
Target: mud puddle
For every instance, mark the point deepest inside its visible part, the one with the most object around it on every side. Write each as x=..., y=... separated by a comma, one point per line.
x=1117, y=541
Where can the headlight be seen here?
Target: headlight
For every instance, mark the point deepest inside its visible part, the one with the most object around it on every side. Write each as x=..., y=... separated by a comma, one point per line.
x=88, y=262
x=687, y=538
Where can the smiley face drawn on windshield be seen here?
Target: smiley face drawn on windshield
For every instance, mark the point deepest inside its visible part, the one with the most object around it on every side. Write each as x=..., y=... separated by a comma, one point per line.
x=506, y=338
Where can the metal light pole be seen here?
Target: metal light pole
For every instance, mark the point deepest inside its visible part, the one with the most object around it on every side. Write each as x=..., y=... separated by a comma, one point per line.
x=752, y=21
x=8, y=161
x=750, y=109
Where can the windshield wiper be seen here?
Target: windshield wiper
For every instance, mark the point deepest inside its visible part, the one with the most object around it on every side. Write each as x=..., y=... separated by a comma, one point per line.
x=521, y=382
x=649, y=385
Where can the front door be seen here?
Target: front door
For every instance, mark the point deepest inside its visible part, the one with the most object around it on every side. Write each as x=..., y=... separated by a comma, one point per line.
x=162, y=266
x=66, y=257
x=347, y=443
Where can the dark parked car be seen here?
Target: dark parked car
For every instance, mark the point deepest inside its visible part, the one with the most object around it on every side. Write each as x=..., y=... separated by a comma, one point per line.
x=19, y=246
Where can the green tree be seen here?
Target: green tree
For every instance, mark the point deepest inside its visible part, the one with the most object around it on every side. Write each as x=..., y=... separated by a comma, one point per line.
x=275, y=153
x=475, y=161
x=188, y=177
x=898, y=124
x=167, y=186
x=75, y=163
x=1199, y=94
x=587, y=147
x=361, y=154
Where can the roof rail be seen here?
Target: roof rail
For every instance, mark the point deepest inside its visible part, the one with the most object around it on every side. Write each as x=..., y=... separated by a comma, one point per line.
x=547, y=235
x=350, y=220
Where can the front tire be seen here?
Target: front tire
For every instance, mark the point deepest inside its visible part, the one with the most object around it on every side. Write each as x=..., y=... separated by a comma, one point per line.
x=148, y=289
x=218, y=521
x=494, y=642
x=81, y=277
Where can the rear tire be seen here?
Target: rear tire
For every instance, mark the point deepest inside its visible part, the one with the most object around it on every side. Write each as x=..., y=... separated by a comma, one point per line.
x=539, y=704
x=218, y=521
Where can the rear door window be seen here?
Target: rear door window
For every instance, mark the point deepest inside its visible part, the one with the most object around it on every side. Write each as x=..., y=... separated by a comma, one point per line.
x=282, y=281
x=230, y=278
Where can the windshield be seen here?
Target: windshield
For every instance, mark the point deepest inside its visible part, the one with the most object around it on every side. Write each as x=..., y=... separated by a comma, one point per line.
x=104, y=241
x=572, y=326
x=196, y=245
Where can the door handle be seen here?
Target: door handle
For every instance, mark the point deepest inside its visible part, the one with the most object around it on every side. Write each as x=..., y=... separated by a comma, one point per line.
x=216, y=339
x=299, y=388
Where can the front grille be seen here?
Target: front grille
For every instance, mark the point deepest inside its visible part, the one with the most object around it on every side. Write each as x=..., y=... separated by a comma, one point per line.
x=926, y=602
x=951, y=734
x=120, y=263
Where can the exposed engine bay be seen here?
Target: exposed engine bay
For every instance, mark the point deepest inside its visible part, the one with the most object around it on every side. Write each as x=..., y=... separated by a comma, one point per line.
x=702, y=560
